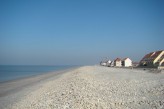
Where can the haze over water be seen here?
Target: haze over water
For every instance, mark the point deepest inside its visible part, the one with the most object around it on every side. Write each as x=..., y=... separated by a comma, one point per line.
x=70, y=32
x=12, y=72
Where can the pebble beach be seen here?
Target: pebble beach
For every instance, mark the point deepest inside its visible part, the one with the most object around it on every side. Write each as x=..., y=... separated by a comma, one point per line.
x=91, y=87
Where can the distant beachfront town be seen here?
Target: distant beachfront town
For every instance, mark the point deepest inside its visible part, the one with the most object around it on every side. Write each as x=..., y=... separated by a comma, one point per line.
x=151, y=60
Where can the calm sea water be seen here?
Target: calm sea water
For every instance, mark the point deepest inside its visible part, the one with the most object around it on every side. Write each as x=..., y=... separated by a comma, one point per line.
x=8, y=72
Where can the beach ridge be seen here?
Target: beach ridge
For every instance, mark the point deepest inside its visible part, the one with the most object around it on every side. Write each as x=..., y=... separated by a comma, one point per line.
x=97, y=87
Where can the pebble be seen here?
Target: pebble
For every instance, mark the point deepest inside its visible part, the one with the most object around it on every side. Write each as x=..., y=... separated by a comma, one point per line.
x=96, y=87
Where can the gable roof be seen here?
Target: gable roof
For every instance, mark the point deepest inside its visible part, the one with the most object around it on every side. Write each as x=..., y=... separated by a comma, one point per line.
x=117, y=59
x=152, y=55
x=125, y=59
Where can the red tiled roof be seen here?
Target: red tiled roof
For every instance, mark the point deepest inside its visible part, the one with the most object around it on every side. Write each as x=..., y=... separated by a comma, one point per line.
x=156, y=54
x=152, y=55
x=148, y=55
x=118, y=59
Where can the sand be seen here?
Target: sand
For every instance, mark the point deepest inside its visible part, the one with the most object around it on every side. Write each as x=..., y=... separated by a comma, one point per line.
x=91, y=87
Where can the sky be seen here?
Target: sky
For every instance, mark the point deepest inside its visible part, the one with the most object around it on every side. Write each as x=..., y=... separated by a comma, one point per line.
x=78, y=32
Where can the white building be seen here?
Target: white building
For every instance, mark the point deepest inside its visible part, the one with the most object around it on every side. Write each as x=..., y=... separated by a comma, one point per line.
x=117, y=62
x=112, y=64
x=105, y=63
x=127, y=62
x=108, y=63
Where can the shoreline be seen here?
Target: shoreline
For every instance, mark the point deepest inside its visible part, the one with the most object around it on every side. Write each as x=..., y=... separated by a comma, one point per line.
x=28, y=75
x=13, y=90
x=91, y=87
x=30, y=80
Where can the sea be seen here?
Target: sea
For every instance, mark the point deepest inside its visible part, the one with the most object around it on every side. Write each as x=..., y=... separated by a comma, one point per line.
x=12, y=72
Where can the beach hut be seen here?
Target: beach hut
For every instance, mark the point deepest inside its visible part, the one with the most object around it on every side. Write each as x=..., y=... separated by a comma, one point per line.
x=127, y=62
x=118, y=62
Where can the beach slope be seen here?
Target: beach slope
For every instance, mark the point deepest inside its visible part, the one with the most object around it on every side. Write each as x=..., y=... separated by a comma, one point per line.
x=95, y=87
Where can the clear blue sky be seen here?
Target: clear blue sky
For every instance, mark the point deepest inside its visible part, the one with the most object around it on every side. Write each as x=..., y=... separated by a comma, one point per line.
x=75, y=32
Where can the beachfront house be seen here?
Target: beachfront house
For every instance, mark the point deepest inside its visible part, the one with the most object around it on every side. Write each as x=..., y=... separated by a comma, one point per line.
x=153, y=59
x=103, y=63
x=118, y=62
x=108, y=63
x=127, y=62
x=112, y=64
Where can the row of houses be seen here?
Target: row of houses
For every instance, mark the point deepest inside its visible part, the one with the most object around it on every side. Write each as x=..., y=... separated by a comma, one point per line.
x=127, y=62
x=151, y=60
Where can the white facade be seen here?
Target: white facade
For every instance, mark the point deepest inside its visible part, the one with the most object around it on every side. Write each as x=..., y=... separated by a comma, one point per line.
x=103, y=64
x=108, y=63
x=112, y=64
x=127, y=62
x=118, y=64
